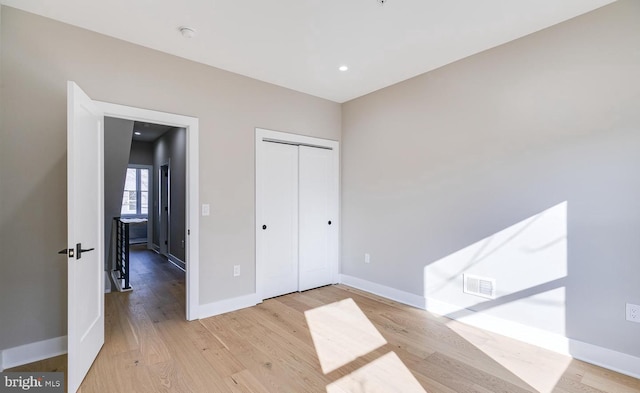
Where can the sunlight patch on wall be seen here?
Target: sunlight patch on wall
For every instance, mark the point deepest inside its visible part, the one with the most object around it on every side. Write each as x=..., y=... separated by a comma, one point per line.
x=527, y=260
x=341, y=333
x=386, y=374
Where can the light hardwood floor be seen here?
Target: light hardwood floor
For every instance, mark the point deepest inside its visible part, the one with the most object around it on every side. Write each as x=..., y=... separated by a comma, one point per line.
x=332, y=339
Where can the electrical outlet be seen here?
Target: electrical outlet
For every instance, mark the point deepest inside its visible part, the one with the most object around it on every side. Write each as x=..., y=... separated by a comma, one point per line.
x=236, y=270
x=633, y=312
x=367, y=258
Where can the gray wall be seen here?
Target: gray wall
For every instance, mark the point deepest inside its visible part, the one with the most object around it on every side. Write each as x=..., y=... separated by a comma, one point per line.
x=520, y=163
x=117, y=143
x=171, y=148
x=141, y=153
x=38, y=57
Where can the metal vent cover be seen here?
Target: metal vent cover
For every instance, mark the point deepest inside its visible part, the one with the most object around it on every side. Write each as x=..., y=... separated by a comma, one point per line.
x=479, y=286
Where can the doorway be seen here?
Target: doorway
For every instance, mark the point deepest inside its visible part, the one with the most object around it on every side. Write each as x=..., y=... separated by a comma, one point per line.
x=191, y=232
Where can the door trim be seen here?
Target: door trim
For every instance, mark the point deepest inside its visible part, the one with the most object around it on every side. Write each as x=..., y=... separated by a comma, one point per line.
x=264, y=135
x=192, y=248
x=164, y=228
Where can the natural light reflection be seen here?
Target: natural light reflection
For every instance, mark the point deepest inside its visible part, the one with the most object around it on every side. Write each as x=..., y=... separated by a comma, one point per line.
x=518, y=358
x=386, y=374
x=528, y=261
x=341, y=333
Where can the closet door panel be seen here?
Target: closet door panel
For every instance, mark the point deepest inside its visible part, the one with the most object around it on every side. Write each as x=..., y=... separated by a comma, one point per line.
x=278, y=242
x=315, y=214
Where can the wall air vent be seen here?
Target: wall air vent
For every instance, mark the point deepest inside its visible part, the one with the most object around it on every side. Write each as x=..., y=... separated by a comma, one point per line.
x=479, y=286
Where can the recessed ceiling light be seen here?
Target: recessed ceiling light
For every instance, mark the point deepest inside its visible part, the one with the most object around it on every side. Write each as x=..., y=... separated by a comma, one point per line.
x=343, y=68
x=138, y=133
x=187, y=32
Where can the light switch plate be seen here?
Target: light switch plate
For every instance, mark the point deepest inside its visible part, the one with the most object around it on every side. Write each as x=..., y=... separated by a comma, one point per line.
x=205, y=209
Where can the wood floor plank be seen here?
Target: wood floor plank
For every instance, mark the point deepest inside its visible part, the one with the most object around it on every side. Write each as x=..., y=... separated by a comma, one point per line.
x=281, y=357
x=608, y=381
x=477, y=376
x=245, y=382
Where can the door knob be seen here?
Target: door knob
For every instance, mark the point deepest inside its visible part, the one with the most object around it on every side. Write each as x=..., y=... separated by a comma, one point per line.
x=329, y=222
x=264, y=227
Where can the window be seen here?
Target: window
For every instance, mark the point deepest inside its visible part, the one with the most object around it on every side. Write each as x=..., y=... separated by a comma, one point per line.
x=135, y=199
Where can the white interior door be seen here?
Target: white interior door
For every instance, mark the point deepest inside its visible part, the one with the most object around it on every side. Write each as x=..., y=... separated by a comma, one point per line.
x=85, y=232
x=317, y=220
x=277, y=232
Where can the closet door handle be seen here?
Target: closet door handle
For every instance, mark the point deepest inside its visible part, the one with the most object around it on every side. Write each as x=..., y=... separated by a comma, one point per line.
x=264, y=227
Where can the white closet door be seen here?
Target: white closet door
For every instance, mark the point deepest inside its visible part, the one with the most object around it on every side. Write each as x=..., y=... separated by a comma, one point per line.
x=278, y=229
x=317, y=221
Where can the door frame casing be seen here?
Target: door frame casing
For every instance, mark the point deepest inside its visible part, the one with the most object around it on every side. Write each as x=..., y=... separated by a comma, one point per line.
x=164, y=227
x=285, y=137
x=192, y=219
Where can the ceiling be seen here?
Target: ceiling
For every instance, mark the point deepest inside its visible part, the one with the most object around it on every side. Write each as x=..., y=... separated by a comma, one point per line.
x=149, y=132
x=299, y=44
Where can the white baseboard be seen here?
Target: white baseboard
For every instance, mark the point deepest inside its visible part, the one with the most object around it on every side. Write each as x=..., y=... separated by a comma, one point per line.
x=538, y=337
x=227, y=305
x=177, y=261
x=33, y=352
x=107, y=282
x=607, y=358
x=119, y=282
x=603, y=357
x=384, y=291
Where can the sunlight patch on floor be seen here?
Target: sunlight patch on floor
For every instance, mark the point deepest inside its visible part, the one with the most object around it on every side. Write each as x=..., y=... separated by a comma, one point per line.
x=518, y=358
x=341, y=333
x=387, y=374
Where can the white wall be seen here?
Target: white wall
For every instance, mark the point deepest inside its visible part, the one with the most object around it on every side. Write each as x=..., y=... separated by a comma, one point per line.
x=520, y=163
